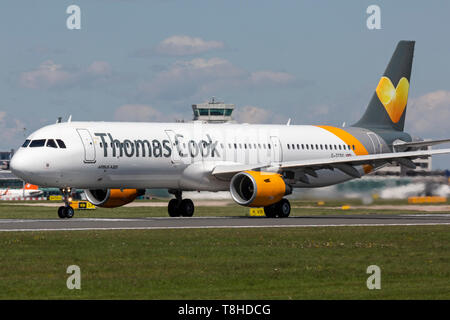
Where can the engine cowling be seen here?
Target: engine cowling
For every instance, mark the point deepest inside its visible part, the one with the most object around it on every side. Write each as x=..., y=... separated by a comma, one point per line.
x=112, y=198
x=258, y=189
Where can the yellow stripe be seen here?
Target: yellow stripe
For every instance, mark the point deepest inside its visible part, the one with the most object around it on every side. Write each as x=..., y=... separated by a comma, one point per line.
x=360, y=150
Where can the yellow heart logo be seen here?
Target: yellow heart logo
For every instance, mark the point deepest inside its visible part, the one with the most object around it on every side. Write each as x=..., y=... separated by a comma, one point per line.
x=393, y=99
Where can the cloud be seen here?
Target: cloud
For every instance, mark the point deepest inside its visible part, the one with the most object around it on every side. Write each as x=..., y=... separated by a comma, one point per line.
x=101, y=68
x=270, y=77
x=142, y=113
x=51, y=75
x=12, y=130
x=48, y=74
x=253, y=114
x=205, y=77
x=180, y=45
x=428, y=115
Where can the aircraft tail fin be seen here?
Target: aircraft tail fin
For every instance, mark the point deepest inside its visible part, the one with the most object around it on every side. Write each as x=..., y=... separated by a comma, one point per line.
x=387, y=108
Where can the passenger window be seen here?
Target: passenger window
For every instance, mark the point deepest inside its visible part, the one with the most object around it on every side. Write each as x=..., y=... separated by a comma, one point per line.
x=289, y=147
x=51, y=143
x=37, y=143
x=61, y=143
x=26, y=143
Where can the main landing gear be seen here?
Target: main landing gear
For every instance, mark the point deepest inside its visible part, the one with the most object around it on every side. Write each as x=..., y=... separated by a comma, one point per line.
x=180, y=207
x=281, y=209
x=66, y=211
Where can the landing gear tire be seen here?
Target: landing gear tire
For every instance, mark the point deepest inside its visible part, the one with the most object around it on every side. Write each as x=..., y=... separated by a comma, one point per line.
x=66, y=212
x=270, y=211
x=61, y=212
x=281, y=209
x=179, y=206
x=173, y=208
x=284, y=208
x=69, y=212
x=187, y=208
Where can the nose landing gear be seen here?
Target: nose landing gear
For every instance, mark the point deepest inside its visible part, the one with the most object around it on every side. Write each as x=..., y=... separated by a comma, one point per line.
x=66, y=211
x=180, y=207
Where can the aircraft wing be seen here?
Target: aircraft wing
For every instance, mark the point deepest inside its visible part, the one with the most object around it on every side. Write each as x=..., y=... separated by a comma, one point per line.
x=344, y=164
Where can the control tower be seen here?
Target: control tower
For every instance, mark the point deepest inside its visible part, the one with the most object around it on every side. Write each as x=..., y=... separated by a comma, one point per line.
x=213, y=111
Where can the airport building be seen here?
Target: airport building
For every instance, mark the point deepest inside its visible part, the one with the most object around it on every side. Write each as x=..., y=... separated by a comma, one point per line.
x=213, y=111
x=8, y=180
x=5, y=157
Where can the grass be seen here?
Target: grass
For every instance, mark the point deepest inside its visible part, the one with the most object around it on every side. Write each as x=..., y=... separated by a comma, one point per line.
x=263, y=263
x=9, y=210
x=287, y=263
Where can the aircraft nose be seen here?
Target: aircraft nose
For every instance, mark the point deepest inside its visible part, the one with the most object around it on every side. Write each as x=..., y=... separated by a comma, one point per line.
x=20, y=165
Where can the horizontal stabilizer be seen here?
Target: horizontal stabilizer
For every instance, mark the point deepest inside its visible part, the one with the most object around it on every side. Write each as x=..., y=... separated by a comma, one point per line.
x=401, y=146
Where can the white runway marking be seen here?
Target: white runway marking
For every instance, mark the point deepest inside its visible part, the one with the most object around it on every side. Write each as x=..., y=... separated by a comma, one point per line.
x=229, y=227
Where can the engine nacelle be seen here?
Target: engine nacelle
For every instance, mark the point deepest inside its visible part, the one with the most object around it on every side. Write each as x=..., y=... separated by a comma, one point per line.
x=112, y=198
x=258, y=189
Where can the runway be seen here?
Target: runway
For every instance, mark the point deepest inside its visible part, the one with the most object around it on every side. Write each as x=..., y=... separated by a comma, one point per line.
x=220, y=222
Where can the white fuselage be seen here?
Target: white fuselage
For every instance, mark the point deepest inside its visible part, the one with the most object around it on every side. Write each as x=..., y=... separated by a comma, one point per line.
x=170, y=155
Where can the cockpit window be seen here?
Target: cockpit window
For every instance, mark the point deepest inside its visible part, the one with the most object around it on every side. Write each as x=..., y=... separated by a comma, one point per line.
x=26, y=143
x=51, y=143
x=37, y=143
x=61, y=143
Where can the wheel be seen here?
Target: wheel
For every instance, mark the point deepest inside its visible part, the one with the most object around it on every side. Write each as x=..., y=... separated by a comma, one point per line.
x=187, y=208
x=283, y=208
x=173, y=209
x=69, y=212
x=270, y=211
x=61, y=212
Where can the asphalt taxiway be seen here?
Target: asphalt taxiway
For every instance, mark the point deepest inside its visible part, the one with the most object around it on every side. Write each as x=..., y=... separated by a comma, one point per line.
x=220, y=222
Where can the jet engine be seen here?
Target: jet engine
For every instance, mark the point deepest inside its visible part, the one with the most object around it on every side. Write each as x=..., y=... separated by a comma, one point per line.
x=112, y=198
x=258, y=189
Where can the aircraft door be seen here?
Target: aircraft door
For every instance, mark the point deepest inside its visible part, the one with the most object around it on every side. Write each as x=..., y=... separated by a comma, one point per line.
x=276, y=154
x=88, y=144
x=176, y=148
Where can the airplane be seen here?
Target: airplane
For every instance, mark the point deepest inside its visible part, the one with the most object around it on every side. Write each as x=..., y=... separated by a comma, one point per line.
x=114, y=162
x=28, y=190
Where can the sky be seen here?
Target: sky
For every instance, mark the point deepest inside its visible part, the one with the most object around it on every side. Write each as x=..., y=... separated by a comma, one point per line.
x=315, y=62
